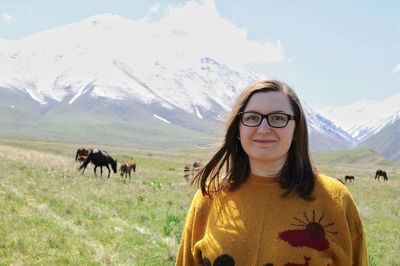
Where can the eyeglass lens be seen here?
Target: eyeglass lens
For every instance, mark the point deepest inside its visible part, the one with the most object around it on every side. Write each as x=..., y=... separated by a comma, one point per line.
x=274, y=120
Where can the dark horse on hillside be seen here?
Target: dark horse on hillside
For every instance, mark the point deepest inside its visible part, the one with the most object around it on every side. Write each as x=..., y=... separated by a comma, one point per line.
x=99, y=158
x=348, y=177
x=382, y=173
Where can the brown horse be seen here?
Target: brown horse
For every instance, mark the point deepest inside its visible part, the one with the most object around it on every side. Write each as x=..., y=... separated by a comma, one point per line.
x=126, y=168
x=348, y=177
x=82, y=153
x=99, y=158
x=380, y=173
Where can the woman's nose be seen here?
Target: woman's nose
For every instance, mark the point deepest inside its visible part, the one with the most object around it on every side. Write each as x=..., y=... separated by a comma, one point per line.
x=264, y=126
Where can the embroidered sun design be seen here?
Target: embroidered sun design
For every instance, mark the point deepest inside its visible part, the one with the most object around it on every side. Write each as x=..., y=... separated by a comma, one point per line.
x=313, y=234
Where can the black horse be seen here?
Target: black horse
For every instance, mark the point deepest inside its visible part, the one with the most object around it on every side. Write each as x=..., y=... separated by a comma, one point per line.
x=382, y=173
x=348, y=177
x=99, y=158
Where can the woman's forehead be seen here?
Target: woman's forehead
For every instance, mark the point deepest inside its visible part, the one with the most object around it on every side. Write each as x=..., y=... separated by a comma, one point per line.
x=269, y=101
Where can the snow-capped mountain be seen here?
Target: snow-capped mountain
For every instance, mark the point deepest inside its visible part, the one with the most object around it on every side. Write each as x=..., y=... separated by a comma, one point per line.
x=125, y=61
x=364, y=119
x=4, y=44
x=323, y=126
x=105, y=55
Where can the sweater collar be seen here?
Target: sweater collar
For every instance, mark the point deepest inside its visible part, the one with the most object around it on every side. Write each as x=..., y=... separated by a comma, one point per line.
x=261, y=179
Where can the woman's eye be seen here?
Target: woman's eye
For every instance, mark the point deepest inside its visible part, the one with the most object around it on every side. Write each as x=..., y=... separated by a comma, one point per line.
x=253, y=118
x=278, y=118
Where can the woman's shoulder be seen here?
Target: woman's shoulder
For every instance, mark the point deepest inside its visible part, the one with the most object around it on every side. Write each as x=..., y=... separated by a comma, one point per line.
x=328, y=185
x=331, y=192
x=201, y=201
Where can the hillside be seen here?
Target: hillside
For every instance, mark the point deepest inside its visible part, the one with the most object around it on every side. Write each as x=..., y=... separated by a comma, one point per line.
x=359, y=156
x=386, y=142
x=103, y=121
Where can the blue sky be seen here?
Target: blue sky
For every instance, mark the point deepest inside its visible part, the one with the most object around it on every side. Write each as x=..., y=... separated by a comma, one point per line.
x=333, y=53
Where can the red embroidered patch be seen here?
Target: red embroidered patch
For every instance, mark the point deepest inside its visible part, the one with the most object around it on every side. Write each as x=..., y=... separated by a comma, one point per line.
x=312, y=234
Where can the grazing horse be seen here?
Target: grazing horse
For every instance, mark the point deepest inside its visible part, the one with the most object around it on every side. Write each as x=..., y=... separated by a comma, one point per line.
x=82, y=154
x=126, y=169
x=380, y=173
x=196, y=167
x=99, y=158
x=186, y=171
x=348, y=177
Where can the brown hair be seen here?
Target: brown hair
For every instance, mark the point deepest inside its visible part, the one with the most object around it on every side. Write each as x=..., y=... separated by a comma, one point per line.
x=297, y=173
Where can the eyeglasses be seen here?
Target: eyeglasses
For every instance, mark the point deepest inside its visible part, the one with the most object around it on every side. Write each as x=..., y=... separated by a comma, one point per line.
x=276, y=120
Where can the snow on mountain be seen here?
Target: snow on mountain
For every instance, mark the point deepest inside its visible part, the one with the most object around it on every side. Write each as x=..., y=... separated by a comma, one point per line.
x=363, y=119
x=162, y=119
x=324, y=126
x=111, y=57
x=4, y=44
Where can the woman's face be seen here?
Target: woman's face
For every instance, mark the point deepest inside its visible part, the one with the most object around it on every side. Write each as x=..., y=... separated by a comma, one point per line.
x=264, y=144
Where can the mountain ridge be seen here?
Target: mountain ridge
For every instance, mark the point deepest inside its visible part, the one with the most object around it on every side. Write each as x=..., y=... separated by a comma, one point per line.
x=363, y=119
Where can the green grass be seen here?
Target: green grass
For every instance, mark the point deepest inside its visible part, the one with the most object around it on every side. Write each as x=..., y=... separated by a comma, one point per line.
x=50, y=214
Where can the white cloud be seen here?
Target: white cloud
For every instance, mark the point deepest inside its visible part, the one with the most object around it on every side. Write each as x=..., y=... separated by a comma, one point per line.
x=198, y=27
x=396, y=68
x=7, y=19
x=154, y=8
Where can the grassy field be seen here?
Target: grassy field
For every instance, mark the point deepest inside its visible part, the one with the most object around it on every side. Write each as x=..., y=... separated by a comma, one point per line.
x=50, y=214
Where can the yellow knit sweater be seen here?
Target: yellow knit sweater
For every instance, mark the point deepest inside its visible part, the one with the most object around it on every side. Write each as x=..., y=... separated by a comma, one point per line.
x=255, y=225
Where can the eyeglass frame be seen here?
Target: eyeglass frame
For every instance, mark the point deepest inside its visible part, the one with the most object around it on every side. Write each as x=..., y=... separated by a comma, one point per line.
x=290, y=117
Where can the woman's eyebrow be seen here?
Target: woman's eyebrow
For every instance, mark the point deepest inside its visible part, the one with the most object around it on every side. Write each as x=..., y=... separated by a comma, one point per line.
x=277, y=111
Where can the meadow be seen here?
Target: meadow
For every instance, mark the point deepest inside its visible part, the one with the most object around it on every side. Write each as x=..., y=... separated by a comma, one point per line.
x=50, y=214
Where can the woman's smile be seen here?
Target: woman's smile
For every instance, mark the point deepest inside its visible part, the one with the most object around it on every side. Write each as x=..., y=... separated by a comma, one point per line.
x=264, y=141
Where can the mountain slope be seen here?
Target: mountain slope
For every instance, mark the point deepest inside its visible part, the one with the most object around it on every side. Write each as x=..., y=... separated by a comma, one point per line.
x=364, y=119
x=386, y=141
x=357, y=156
x=102, y=121
x=48, y=68
x=116, y=78
x=324, y=135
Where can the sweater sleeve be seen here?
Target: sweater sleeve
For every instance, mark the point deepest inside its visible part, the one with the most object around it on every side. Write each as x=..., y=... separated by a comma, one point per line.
x=194, y=229
x=360, y=257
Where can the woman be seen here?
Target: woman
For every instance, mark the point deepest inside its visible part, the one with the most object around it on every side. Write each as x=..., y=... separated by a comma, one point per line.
x=261, y=202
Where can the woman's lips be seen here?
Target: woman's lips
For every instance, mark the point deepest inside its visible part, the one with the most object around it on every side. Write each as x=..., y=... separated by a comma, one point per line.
x=264, y=140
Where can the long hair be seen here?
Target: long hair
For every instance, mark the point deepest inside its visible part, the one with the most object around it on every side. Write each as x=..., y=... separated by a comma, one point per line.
x=229, y=167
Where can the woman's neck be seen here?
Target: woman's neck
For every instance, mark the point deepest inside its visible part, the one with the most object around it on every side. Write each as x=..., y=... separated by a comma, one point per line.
x=267, y=168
